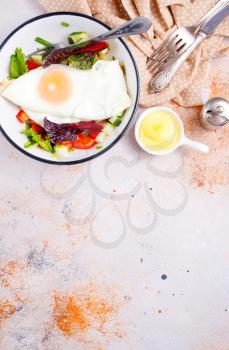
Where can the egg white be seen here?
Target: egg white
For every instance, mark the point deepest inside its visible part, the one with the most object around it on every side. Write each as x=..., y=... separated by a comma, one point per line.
x=98, y=93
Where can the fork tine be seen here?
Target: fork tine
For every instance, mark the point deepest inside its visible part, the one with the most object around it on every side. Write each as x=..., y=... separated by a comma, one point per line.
x=169, y=50
x=163, y=53
x=157, y=56
x=151, y=63
x=159, y=49
x=177, y=46
x=173, y=36
x=169, y=41
x=158, y=64
x=163, y=57
x=157, y=68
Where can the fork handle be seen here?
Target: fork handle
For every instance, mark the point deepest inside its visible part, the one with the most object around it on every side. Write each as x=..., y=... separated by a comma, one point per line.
x=162, y=79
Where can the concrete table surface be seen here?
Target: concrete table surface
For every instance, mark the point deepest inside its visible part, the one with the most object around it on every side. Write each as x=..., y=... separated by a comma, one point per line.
x=125, y=252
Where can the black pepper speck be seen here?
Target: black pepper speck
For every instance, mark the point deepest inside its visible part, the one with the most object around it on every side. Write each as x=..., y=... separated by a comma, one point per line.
x=163, y=277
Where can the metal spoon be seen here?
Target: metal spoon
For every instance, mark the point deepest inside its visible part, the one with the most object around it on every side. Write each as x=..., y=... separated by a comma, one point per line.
x=138, y=25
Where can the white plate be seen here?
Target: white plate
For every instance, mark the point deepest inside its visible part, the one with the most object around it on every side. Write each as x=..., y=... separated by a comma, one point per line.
x=48, y=26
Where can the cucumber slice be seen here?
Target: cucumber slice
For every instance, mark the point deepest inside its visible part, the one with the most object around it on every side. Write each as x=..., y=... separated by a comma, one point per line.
x=121, y=114
x=107, y=131
x=116, y=121
x=77, y=37
x=37, y=58
x=61, y=151
x=101, y=137
x=108, y=128
x=104, y=51
x=103, y=55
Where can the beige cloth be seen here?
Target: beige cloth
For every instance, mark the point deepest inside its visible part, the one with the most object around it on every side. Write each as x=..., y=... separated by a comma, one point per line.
x=166, y=15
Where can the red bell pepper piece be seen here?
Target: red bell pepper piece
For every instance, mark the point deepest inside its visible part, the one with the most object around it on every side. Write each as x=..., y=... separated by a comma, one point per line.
x=22, y=116
x=84, y=142
x=32, y=65
x=91, y=127
x=37, y=128
x=94, y=133
x=93, y=48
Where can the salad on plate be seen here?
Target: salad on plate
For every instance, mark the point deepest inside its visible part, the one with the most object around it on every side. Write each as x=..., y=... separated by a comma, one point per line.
x=75, y=103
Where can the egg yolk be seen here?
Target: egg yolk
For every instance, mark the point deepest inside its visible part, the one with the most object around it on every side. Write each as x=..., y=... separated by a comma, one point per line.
x=159, y=131
x=55, y=86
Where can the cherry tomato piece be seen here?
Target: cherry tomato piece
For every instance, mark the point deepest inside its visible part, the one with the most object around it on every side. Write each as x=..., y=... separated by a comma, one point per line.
x=84, y=142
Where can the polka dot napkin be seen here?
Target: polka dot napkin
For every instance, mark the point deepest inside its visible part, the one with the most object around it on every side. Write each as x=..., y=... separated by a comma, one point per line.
x=166, y=16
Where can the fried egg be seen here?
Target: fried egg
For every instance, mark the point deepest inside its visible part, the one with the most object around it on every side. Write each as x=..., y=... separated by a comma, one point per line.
x=65, y=94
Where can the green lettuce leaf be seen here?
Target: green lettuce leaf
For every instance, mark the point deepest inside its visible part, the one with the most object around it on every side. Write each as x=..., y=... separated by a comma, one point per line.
x=18, y=64
x=13, y=69
x=21, y=61
x=35, y=138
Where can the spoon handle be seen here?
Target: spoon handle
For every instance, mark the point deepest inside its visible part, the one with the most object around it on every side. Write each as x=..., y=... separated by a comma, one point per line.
x=138, y=25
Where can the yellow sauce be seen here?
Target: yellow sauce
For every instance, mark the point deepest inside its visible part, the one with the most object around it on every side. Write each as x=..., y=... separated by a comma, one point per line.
x=160, y=131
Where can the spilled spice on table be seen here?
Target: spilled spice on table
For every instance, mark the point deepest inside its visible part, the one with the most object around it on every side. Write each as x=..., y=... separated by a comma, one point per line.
x=7, y=271
x=6, y=310
x=209, y=170
x=205, y=170
x=87, y=310
x=68, y=315
x=219, y=83
x=67, y=227
x=82, y=310
x=12, y=271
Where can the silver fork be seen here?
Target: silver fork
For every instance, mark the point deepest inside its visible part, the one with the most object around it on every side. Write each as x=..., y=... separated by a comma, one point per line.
x=163, y=78
x=179, y=41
